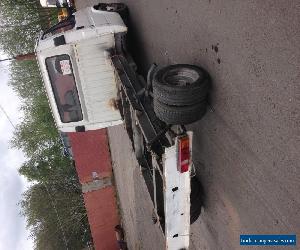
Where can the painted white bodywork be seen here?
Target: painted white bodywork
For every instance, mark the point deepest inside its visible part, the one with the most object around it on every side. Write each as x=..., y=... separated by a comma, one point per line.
x=94, y=74
x=177, y=203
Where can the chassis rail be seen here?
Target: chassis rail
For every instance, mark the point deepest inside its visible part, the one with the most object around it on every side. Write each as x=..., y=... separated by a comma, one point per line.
x=169, y=187
x=152, y=128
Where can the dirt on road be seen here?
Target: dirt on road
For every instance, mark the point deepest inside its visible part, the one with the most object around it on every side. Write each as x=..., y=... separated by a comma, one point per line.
x=247, y=146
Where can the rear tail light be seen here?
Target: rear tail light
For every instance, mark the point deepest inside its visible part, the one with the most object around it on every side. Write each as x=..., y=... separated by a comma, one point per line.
x=184, y=154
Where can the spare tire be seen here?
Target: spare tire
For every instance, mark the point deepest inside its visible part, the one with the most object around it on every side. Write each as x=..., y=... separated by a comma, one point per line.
x=180, y=84
x=179, y=115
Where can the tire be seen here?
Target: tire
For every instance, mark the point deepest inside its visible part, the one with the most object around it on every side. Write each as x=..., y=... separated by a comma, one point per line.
x=120, y=8
x=138, y=141
x=126, y=114
x=179, y=115
x=196, y=199
x=180, y=85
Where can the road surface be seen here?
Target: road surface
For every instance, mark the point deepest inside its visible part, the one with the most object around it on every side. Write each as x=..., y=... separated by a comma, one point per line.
x=247, y=146
x=135, y=203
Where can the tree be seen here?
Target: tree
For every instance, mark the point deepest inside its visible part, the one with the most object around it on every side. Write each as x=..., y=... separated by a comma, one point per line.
x=53, y=205
x=21, y=22
x=40, y=204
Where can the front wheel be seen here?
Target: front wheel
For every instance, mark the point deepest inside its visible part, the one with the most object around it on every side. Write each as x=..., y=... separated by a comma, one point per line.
x=119, y=8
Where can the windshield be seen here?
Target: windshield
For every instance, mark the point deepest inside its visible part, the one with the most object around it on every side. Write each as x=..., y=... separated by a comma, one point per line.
x=60, y=27
x=64, y=88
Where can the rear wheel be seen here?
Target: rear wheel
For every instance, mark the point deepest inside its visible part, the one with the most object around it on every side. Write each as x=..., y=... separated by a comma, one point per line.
x=196, y=199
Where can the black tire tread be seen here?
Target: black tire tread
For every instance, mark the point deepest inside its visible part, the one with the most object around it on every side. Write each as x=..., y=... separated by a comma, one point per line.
x=181, y=95
x=196, y=200
x=179, y=114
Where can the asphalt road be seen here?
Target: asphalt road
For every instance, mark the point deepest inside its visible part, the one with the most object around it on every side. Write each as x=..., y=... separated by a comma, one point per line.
x=247, y=146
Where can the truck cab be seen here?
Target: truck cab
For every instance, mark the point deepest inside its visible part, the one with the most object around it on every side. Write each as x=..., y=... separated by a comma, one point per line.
x=74, y=57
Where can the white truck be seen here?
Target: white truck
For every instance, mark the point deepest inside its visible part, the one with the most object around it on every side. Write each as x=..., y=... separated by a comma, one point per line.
x=92, y=83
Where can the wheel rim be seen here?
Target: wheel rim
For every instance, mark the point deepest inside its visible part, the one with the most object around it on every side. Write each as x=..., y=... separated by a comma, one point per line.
x=180, y=76
x=113, y=7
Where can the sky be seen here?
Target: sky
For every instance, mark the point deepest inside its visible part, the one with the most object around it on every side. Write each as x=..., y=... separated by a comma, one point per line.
x=13, y=233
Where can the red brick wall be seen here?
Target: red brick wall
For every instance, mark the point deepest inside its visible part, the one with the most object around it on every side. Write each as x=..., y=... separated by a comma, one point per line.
x=91, y=154
x=102, y=214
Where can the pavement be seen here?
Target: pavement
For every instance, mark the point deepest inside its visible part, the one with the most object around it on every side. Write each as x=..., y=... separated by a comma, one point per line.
x=135, y=204
x=246, y=148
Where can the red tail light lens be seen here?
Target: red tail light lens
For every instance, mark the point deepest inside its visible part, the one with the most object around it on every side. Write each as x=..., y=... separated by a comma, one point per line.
x=184, y=154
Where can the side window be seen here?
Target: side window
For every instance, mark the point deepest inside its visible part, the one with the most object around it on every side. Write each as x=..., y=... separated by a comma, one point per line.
x=64, y=88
